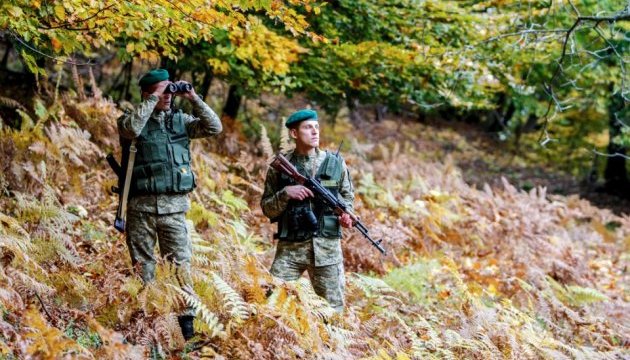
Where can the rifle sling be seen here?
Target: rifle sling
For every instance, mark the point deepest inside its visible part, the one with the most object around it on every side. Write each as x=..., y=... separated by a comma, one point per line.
x=122, y=206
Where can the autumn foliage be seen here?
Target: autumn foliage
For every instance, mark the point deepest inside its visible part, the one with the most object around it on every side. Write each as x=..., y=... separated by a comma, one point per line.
x=472, y=273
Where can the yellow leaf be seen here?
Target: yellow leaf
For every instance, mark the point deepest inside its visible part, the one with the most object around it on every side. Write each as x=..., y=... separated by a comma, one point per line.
x=60, y=12
x=130, y=47
x=15, y=11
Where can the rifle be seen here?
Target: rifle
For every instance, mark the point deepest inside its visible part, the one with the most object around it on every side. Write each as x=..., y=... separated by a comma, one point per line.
x=281, y=164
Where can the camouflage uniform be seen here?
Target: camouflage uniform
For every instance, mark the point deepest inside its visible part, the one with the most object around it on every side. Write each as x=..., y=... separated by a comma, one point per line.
x=161, y=217
x=320, y=256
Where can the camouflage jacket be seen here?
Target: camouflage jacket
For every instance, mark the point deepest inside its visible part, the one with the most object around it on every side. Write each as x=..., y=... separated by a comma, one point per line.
x=327, y=251
x=205, y=123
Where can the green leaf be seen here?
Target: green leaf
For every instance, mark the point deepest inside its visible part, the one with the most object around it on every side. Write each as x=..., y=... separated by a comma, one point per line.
x=40, y=110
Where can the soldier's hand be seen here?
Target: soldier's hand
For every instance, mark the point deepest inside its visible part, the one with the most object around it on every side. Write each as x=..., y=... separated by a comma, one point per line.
x=298, y=192
x=160, y=87
x=187, y=95
x=345, y=220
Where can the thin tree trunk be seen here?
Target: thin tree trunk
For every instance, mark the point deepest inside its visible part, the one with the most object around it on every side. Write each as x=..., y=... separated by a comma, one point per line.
x=616, y=175
x=205, y=85
x=353, y=109
x=126, y=94
x=379, y=112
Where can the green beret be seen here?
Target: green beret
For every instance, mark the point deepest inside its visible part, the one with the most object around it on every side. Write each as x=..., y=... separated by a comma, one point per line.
x=301, y=115
x=152, y=77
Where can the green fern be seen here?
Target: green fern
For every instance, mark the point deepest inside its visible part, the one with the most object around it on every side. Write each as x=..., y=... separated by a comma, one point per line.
x=371, y=286
x=200, y=215
x=582, y=296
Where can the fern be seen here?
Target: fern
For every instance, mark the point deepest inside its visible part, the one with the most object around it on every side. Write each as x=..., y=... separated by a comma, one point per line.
x=167, y=330
x=47, y=341
x=95, y=89
x=11, y=233
x=132, y=286
x=238, y=308
x=28, y=285
x=342, y=337
x=265, y=143
x=372, y=287
x=11, y=299
x=212, y=325
x=313, y=302
x=286, y=145
x=11, y=103
x=581, y=296
x=78, y=82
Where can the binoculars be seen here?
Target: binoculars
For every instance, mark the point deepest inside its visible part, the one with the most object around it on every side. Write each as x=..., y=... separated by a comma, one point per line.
x=303, y=218
x=181, y=87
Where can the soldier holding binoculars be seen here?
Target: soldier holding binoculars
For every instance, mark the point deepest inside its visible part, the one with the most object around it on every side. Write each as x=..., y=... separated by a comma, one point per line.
x=156, y=152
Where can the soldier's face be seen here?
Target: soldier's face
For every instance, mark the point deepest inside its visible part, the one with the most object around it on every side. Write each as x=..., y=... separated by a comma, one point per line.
x=164, y=99
x=306, y=135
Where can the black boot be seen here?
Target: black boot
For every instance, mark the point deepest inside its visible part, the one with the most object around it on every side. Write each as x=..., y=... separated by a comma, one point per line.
x=186, y=323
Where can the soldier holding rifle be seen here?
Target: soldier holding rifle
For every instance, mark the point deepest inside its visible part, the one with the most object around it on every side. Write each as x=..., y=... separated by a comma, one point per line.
x=309, y=229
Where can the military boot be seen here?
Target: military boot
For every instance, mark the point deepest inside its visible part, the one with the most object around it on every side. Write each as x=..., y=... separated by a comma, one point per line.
x=186, y=323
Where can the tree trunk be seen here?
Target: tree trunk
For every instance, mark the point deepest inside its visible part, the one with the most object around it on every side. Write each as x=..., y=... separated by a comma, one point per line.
x=616, y=175
x=126, y=94
x=171, y=67
x=379, y=112
x=5, y=57
x=233, y=103
x=353, y=109
x=205, y=85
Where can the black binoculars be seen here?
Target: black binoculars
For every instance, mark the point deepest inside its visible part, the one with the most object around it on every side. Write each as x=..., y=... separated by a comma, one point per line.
x=303, y=218
x=181, y=87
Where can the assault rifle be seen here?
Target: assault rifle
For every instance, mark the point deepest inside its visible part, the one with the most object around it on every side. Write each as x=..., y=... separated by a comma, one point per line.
x=281, y=164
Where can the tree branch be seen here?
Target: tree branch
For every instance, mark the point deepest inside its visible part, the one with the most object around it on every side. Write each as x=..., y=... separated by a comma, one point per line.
x=548, y=87
x=54, y=58
x=67, y=23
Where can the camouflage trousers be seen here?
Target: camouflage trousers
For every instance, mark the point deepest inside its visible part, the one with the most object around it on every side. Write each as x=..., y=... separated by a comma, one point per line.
x=328, y=281
x=169, y=231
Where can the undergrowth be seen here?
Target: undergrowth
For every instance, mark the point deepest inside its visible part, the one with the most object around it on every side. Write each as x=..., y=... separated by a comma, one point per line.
x=487, y=273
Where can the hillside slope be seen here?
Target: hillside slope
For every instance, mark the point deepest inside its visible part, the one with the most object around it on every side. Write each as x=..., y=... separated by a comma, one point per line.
x=481, y=273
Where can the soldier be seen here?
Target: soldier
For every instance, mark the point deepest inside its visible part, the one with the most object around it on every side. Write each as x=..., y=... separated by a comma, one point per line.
x=162, y=176
x=309, y=233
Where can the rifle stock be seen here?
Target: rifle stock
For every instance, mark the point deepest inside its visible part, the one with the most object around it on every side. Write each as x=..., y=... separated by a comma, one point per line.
x=283, y=165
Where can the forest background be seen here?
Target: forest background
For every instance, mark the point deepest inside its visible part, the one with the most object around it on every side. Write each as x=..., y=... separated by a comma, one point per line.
x=453, y=113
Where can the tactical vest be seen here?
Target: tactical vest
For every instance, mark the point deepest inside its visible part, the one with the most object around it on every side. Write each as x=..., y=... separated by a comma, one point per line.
x=329, y=175
x=162, y=164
